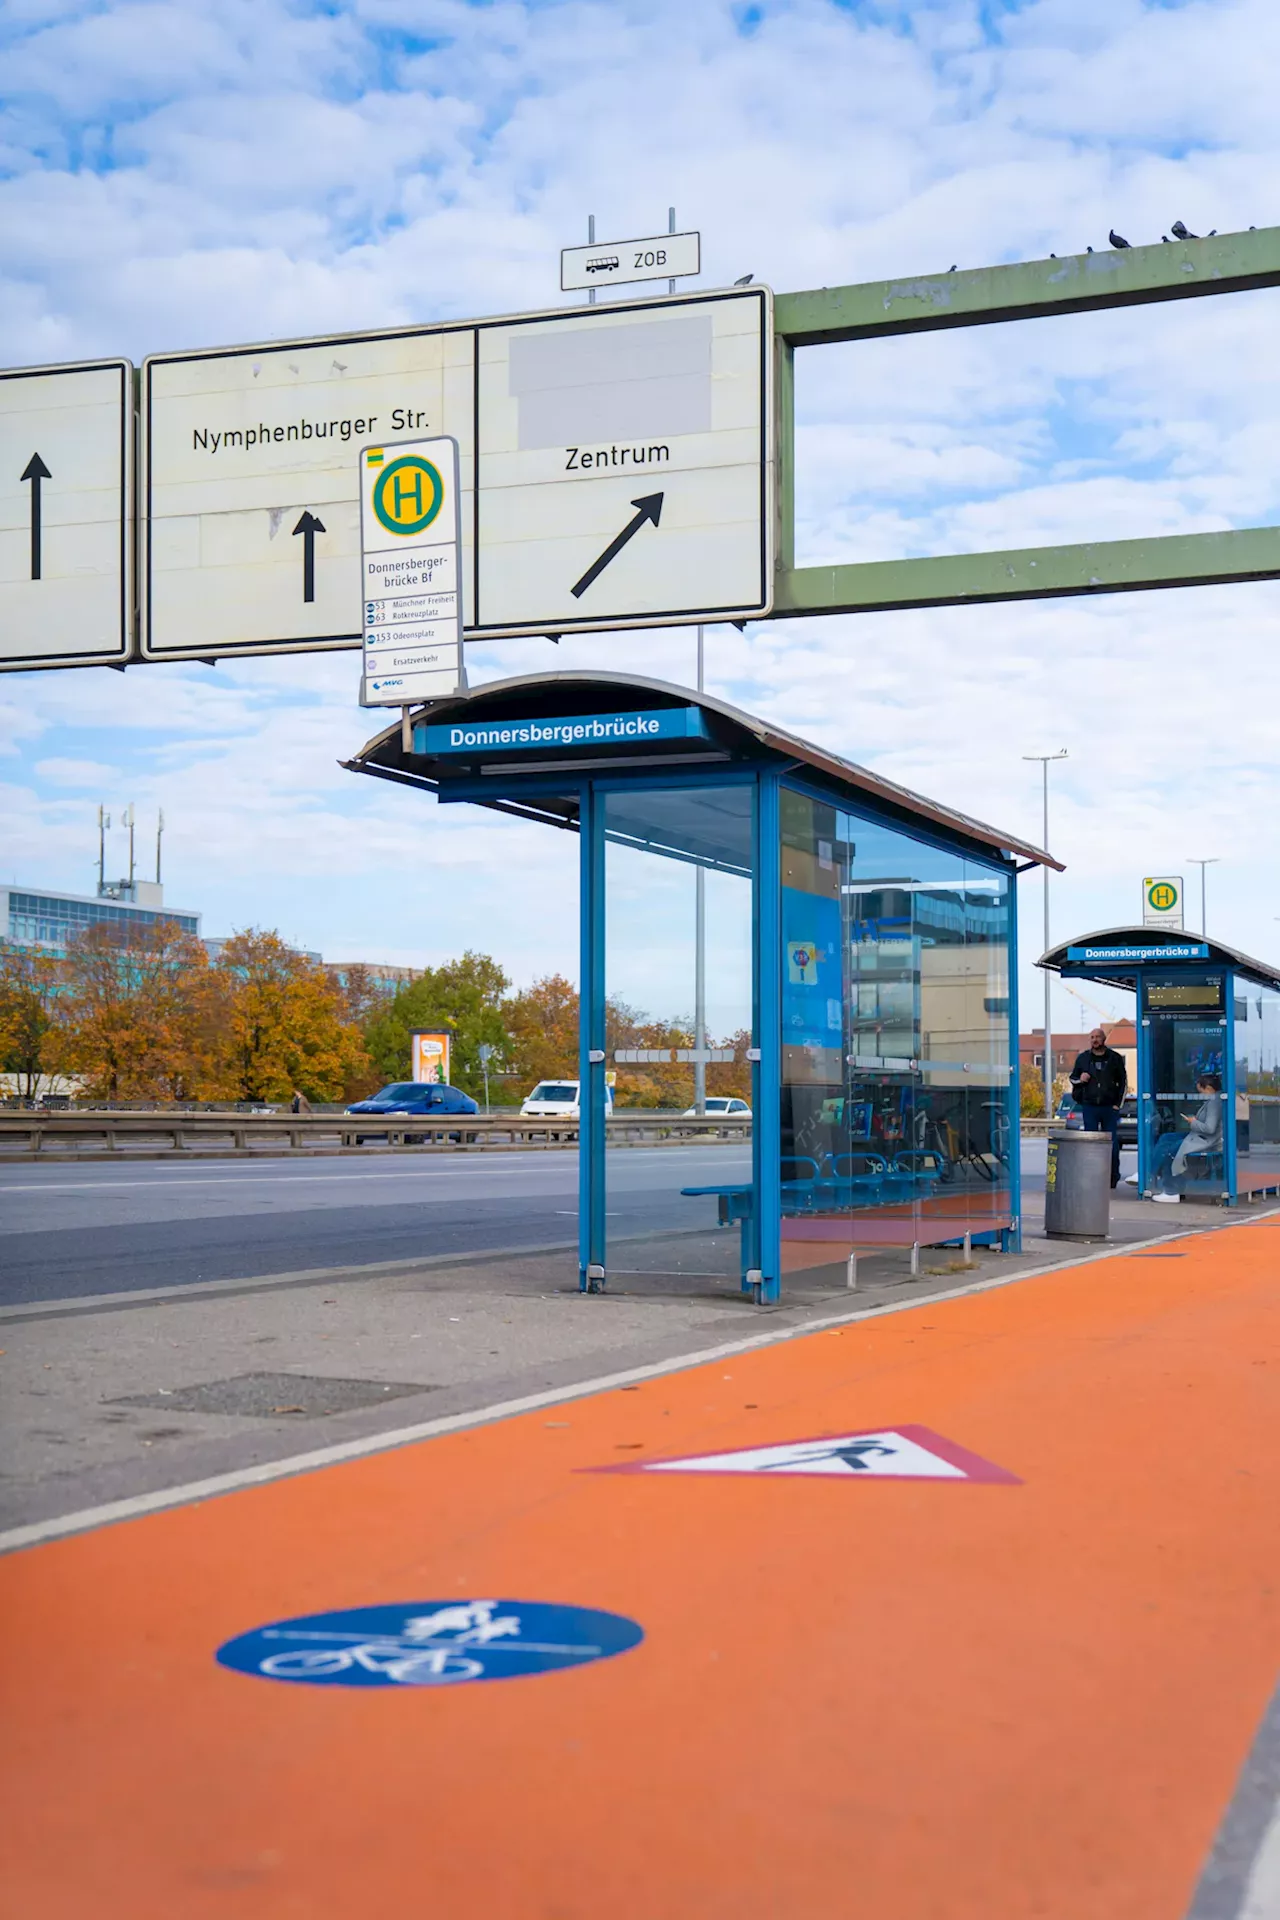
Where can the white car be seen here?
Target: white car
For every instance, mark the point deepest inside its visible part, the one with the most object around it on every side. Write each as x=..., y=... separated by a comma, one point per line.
x=719, y=1106
x=558, y=1100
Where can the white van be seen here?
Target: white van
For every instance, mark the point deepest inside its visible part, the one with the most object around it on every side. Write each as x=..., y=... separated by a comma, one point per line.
x=558, y=1100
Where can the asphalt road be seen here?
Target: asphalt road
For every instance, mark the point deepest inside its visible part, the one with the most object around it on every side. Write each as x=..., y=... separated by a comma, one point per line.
x=71, y=1230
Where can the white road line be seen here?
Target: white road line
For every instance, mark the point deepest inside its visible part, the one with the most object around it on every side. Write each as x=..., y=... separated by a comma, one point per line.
x=247, y=1179
x=39, y=1531
x=1262, y=1896
x=300, y=1177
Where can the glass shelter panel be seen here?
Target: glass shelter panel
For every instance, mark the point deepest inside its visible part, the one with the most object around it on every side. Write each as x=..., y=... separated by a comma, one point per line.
x=1257, y=1091
x=897, y=1119
x=679, y=996
x=1184, y=1105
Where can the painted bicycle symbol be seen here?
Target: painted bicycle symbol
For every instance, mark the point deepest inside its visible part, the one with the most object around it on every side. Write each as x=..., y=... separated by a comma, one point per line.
x=430, y=1644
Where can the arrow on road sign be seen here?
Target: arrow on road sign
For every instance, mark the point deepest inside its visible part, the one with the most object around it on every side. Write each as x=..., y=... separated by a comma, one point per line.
x=35, y=471
x=309, y=527
x=650, y=508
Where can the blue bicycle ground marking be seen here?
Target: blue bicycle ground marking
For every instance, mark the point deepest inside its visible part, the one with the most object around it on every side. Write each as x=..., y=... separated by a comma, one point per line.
x=430, y=1643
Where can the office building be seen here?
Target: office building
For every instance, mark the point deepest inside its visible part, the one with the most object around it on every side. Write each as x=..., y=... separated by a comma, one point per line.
x=40, y=917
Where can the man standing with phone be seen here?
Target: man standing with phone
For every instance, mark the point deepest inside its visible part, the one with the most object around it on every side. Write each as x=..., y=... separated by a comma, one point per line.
x=1099, y=1079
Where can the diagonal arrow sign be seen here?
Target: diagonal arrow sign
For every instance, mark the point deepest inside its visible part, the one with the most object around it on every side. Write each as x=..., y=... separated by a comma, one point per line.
x=650, y=508
x=308, y=526
x=35, y=471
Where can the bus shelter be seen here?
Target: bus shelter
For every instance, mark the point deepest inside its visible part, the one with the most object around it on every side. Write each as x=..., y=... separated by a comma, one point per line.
x=1208, y=1037
x=758, y=914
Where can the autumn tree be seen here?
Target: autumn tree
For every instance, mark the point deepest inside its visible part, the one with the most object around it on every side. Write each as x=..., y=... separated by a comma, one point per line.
x=284, y=1025
x=136, y=1017
x=362, y=992
x=28, y=990
x=463, y=997
x=542, y=1025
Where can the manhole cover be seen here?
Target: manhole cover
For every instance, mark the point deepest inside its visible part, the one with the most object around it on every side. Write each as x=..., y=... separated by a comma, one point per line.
x=307, y=1396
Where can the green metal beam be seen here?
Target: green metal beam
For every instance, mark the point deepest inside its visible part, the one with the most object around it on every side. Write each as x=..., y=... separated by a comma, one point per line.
x=1079, y=283
x=1032, y=573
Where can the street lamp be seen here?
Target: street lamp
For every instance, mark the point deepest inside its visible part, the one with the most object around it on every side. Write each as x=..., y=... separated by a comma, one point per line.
x=1212, y=861
x=1046, y=1055
x=699, y=939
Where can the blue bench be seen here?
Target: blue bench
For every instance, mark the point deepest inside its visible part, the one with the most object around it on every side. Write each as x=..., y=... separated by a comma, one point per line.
x=733, y=1203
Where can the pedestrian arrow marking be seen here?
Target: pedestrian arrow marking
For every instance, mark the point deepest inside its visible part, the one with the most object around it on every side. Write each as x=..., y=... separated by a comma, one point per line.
x=649, y=508
x=36, y=473
x=308, y=526
x=885, y=1453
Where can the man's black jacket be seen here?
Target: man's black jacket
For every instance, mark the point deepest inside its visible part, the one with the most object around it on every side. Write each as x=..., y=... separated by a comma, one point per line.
x=1108, y=1078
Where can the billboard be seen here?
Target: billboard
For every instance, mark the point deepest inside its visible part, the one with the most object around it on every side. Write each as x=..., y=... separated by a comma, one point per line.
x=430, y=1057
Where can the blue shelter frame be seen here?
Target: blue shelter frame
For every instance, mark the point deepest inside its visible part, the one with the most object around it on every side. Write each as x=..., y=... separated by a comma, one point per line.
x=869, y=934
x=1208, y=1057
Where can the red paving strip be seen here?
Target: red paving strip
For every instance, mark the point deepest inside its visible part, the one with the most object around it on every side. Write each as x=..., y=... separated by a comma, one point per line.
x=913, y=1701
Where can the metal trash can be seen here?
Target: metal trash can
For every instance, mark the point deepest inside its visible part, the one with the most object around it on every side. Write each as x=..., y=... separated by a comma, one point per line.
x=1077, y=1187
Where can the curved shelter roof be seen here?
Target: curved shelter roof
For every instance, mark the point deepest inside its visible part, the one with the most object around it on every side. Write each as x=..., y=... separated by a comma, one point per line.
x=731, y=735
x=1219, y=954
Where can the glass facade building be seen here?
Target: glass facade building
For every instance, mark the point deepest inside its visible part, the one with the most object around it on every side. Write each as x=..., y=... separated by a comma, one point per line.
x=839, y=949
x=32, y=917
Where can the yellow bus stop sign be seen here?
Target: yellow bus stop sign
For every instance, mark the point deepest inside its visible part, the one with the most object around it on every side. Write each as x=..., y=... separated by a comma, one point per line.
x=408, y=494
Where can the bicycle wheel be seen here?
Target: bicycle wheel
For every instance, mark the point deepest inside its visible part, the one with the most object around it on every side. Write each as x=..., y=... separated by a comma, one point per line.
x=306, y=1663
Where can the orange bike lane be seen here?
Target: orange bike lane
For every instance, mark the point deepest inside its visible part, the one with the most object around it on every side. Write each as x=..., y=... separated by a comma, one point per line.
x=856, y=1697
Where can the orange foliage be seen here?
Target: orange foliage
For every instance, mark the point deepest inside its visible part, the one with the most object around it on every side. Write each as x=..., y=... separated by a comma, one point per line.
x=285, y=1025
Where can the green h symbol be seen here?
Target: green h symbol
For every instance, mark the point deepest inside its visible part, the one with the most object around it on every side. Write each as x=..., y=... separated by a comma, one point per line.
x=403, y=492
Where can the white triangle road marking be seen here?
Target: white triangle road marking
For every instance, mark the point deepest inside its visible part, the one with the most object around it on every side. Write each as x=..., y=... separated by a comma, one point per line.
x=894, y=1453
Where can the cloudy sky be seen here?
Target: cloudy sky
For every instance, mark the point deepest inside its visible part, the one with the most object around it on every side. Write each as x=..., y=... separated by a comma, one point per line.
x=179, y=175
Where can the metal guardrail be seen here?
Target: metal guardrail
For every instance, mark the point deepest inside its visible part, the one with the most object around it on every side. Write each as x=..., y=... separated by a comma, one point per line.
x=28, y=1135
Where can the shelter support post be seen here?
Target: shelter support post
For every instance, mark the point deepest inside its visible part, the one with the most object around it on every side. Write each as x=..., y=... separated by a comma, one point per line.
x=1011, y=1237
x=591, y=1045
x=766, y=1072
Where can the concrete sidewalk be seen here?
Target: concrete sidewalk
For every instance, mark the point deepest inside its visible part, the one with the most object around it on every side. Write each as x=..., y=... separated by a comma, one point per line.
x=123, y=1397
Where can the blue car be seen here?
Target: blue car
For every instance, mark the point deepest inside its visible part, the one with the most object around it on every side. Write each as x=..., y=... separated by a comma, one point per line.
x=413, y=1099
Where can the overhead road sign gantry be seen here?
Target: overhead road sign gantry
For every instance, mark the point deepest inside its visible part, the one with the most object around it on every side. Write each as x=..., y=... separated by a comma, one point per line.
x=617, y=468
x=66, y=535
x=1033, y=289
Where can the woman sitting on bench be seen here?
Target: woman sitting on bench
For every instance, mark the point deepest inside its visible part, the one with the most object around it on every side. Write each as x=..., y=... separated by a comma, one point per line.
x=1203, y=1136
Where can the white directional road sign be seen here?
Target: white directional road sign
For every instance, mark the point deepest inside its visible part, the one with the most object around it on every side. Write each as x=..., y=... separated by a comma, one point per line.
x=664, y=256
x=616, y=469
x=251, y=483
x=410, y=516
x=624, y=465
x=66, y=454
